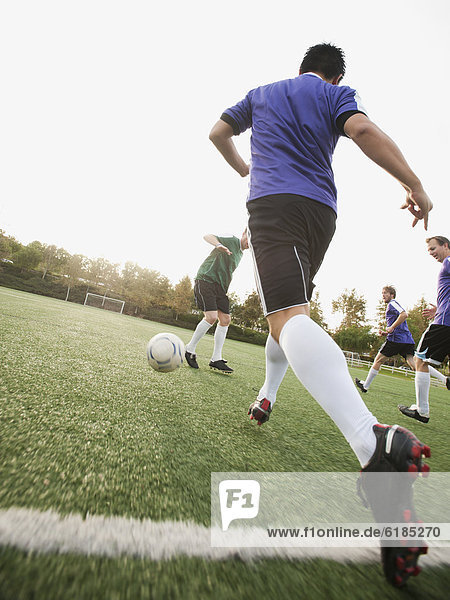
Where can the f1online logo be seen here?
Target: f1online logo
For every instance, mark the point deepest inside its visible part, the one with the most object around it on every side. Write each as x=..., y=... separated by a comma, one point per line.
x=239, y=499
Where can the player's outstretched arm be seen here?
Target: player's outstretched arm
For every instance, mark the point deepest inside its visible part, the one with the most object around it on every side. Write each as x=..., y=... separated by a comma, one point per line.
x=212, y=239
x=221, y=136
x=382, y=150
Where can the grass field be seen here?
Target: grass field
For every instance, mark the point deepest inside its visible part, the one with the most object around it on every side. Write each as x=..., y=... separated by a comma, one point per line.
x=87, y=427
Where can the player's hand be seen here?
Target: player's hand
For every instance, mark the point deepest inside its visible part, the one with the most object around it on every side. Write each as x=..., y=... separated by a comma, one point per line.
x=381, y=332
x=429, y=313
x=222, y=248
x=419, y=205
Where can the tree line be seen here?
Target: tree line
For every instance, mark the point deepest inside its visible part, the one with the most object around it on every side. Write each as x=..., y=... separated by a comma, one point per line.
x=148, y=293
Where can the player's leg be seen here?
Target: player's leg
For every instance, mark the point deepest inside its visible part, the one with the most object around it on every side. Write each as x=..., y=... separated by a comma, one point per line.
x=373, y=372
x=276, y=367
x=223, y=313
x=296, y=234
x=220, y=335
x=206, y=302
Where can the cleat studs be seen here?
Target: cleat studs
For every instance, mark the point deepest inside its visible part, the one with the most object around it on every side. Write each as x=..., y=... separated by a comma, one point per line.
x=410, y=570
x=398, y=580
x=416, y=571
x=251, y=417
x=407, y=515
x=425, y=470
x=426, y=451
x=400, y=563
x=413, y=551
x=416, y=451
x=413, y=468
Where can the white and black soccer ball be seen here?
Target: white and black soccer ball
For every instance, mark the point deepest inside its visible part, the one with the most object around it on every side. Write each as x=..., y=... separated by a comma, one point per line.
x=165, y=352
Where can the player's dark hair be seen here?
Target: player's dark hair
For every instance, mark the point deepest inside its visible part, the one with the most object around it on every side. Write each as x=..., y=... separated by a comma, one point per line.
x=391, y=289
x=441, y=240
x=326, y=59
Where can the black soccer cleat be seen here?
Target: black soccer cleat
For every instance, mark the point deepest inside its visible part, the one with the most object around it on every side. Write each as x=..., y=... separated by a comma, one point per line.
x=413, y=413
x=360, y=385
x=398, y=459
x=447, y=382
x=191, y=359
x=260, y=410
x=220, y=365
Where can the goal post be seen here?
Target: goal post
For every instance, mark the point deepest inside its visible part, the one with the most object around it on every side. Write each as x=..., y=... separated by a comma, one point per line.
x=105, y=302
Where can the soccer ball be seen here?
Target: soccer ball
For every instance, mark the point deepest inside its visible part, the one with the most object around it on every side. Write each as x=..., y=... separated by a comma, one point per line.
x=165, y=352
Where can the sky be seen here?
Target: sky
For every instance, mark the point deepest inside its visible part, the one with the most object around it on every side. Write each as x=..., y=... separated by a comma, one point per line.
x=106, y=107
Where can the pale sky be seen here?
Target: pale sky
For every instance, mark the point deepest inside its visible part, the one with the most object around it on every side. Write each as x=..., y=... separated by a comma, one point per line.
x=106, y=108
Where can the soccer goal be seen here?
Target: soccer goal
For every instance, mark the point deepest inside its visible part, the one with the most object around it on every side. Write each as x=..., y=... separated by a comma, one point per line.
x=104, y=302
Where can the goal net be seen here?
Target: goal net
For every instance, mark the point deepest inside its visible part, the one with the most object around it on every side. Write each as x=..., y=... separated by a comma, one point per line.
x=104, y=302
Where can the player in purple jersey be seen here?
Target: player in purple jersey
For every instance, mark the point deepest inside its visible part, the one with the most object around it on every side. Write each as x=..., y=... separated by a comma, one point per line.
x=295, y=125
x=434, y=345
x=398, y=340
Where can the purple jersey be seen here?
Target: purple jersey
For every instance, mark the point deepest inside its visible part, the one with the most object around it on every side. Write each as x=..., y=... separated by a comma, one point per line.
x=401, y=333
x=295, y=129
x=442, y=316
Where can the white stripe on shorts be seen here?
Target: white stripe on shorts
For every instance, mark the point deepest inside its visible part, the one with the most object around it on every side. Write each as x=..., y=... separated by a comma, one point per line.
x=255, y=269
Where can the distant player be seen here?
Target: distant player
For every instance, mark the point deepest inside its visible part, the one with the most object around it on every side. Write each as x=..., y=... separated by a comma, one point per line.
x=434, y=345
x=210, y=290
x=295, y=126
x=398, y=340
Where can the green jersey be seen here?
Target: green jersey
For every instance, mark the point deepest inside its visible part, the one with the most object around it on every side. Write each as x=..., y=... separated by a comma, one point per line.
x=219, y=266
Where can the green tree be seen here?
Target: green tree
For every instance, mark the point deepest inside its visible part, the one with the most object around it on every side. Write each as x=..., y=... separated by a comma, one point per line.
x=250, y=314
x=355, y=338
x=27, y=257
x=102, y=272
x=73, y=270
x=316, y=312
x=352, y=307
x=417, y=323
x=183, y=297
x=5, y=246
x=53, y=258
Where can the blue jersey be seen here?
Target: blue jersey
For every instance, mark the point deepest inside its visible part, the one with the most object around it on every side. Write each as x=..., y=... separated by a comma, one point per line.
x=442, y=316
x=295, y=130
x=401, y=333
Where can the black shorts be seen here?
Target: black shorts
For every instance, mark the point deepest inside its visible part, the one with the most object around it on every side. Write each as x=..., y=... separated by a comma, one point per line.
x=211, y=296
x=434, y=345
x=288, y=237
x=389, y=349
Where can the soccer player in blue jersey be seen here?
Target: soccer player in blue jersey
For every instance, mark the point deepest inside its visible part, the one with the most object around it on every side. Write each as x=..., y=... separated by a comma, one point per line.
x=398, y=340
x=434, y=345
x=296, y=124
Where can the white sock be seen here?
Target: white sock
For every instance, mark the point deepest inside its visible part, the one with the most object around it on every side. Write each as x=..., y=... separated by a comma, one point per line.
x=199, y=332
x=308, y=347
x=219, y=339
x=437, y=374
x=276, y=367
x=422, y=382
x=370, y=377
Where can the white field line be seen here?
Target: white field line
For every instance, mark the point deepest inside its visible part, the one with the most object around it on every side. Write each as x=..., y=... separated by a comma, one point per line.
x=48, y=532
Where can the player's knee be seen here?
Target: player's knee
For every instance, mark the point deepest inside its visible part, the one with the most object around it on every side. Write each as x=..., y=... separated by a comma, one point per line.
x=224, y=319
x=211, y=317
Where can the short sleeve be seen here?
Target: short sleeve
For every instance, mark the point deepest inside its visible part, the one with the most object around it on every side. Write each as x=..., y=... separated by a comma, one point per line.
x=447, y=265
x=232, y=243
x=239, y=116
x=347, y=103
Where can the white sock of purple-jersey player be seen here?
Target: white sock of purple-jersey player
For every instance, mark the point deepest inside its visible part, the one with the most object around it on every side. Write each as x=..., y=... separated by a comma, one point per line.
x=276, y=367
x=307, y=347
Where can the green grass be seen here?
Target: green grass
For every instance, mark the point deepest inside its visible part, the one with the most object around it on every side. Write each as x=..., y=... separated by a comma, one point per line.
x=87, y=426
